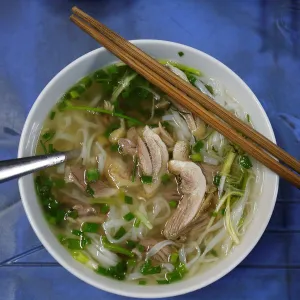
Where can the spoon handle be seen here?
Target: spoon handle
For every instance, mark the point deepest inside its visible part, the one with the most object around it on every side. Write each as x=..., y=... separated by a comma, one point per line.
x=14, y=168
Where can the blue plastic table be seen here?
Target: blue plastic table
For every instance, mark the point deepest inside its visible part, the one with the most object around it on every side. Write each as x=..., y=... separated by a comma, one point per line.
x=259, y=40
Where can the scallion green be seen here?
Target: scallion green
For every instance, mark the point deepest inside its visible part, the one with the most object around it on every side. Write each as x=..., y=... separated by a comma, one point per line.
x=120, y=233
x=92, y=175
x=128, y=217
x=146, y=179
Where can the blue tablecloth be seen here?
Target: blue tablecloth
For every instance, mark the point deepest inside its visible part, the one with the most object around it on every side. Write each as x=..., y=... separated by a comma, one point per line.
x=259, y=40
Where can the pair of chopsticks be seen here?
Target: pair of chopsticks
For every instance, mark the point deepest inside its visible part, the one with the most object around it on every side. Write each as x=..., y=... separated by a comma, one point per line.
x=252, y=142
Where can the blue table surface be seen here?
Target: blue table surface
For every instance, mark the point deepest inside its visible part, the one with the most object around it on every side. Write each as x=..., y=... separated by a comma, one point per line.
x=259, y=40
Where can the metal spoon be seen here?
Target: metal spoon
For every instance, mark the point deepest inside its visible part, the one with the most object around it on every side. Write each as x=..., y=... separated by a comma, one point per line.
x=14, y=168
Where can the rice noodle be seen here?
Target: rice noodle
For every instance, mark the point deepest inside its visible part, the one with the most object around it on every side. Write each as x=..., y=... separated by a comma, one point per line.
x=101, y=158
x=61, y=168
x=169, y=267
x=157, y=247
x=192, y=261
x=134, y=276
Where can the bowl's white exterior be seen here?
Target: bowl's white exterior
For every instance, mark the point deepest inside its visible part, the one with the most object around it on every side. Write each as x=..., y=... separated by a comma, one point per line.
x=95, y=60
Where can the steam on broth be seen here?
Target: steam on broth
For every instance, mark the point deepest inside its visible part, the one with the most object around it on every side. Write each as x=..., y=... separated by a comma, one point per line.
x=156, y=194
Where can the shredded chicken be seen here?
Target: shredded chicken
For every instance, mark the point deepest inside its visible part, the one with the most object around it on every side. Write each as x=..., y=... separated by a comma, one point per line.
x=193, y=186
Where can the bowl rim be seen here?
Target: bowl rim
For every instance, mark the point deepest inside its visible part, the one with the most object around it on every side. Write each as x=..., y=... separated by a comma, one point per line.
x=99, y=285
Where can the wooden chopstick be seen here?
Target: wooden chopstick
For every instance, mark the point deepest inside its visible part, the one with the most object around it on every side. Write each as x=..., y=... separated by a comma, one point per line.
x=191, y=104
x=193, y=92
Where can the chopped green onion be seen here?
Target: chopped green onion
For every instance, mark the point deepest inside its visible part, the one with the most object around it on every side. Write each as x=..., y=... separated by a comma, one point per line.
x=192, y=79
x=143, y=219
x=104, y=208
x=44, y=147
x=177, y=274
x=181, y=67
x=223, y=211
x=86, y=82
x=209, y=88
x=228, y=163
x=162, y=281
x=198, y=146
x=131, y=262
x=148, y=269
x=48, y=135
x=112, y=69
x=115, y=248
x=51, y=149
x=77, y=232
x=146, y=179
x=58, y=183
x=245, y=162
x=135, y=163
x=128, y=199
x=101, y=110
x=174, y=258
x=248, y=118
x=214, y=253
x=196, y=157
x=117, y=272
x=90, y=227
x=165, y=178
x=141, y=248
x=216, y=180
x=173, y=203
x=73, y=244
x=89, y=190
x=180, y=53
x=128, y=217
x=79, y=256
x=52, y=115
x=72, y=213
x=92, y=175
x=131, y=244
x=120, y=233
x=136, y=223
x=142, y=282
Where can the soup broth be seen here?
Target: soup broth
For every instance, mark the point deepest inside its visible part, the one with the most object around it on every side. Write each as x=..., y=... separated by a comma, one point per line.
x=156, y=194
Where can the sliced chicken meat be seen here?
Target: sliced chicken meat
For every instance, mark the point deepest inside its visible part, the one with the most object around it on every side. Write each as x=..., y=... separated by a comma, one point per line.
x=193, y=186
x=127, y=146
x=181, y=151
x=144, y=158
x=159, y=158
x=165, y=136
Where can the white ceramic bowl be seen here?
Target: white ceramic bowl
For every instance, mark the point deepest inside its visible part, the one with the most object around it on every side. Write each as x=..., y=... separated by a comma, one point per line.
x=95, y=60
